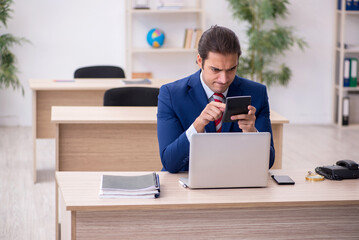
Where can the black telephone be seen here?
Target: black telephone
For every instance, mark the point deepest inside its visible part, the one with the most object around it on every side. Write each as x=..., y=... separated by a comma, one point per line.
x=344, y=169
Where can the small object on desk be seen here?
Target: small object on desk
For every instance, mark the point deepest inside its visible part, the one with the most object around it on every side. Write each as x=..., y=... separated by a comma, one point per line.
x=140, y=186
x=314, y=177
x=283, y=180
x=344, y=169
x=64, y=80
x=141, y=81
x=182, y=183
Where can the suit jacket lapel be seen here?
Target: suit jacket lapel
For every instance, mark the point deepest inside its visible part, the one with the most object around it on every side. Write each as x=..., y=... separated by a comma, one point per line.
x=199, y=97
x=234, y=90
x=196, y=92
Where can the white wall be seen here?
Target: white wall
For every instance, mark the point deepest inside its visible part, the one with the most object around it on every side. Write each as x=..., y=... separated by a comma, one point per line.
x=308, y=97
x=64, y=35
x=67, y=34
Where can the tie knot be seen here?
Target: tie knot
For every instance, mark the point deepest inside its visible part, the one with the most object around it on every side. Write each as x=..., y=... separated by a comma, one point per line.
x=218, y=97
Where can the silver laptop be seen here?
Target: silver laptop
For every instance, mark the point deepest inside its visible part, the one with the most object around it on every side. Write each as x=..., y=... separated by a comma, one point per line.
x=227, y=160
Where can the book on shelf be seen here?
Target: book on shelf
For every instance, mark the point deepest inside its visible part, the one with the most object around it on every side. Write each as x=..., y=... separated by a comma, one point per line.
x=139, y=186
x=350, y=72
x=192, y=37
x=346, y=72
x=188, y=38
x=185, y=38
x=355, y=5
x=347, y=4
x=353, y=72
x=197, y=37
x=350, y=5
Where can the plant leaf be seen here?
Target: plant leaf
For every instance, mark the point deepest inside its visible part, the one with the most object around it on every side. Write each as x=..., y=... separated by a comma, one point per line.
x=5, y=10
x=267, y=40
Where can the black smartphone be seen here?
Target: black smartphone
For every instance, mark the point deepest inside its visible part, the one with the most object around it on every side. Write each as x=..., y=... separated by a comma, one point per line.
x=236, y=105
x=283, y=179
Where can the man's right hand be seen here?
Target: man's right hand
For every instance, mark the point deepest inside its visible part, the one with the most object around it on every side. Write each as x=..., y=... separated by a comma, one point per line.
x=211, y=112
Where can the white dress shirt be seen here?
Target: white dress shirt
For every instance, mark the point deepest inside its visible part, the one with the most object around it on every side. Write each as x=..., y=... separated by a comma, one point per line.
x=191, y=130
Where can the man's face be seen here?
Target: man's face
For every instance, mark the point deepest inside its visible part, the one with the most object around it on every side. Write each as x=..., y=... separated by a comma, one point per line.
x=219, y=70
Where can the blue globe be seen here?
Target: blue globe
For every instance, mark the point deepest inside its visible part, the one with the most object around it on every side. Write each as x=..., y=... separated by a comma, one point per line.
x=155, y=37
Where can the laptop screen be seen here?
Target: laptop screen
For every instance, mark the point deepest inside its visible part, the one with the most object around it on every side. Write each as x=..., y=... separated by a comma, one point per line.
x=223, y=160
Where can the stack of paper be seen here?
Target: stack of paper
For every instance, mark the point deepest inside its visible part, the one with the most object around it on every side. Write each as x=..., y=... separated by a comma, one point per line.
x=140, y=81
x=141, y=186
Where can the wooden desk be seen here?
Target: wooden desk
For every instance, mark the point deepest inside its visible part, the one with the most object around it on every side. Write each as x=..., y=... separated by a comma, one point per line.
x=277, y=122
x=106, y=139
x=118, y=138
x=306, y=210
x=81, y=92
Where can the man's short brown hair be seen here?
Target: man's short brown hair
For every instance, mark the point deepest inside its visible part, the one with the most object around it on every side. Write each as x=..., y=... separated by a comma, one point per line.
x=218, y=40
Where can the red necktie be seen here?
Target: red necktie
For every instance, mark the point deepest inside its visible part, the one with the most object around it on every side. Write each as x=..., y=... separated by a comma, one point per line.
x=218, y=97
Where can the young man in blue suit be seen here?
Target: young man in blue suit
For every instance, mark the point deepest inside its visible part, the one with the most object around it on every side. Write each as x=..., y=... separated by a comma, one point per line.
x=187, y=106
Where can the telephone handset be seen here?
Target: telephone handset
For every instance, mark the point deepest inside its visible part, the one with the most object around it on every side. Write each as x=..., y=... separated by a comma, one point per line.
x=344, y=169
x=350, y=164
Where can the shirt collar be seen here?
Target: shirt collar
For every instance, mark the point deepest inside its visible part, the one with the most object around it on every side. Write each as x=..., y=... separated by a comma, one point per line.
x=208, y=91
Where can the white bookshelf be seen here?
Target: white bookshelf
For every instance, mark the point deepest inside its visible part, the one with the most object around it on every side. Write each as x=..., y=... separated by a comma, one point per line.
x=155, y=11
x=342, y=35
x=164, y=50
x=172, y=21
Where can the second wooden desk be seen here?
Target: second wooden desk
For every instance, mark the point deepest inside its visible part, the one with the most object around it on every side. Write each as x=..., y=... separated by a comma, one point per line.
x=118, y=138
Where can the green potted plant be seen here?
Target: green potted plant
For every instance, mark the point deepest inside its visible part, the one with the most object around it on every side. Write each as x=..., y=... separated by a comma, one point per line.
x=8, y=68
x=266, y=40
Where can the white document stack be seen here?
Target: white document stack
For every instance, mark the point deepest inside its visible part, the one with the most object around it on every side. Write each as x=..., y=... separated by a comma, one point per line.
x=140, y=186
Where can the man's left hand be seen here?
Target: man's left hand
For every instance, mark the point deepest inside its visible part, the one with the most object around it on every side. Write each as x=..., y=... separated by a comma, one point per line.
x=246, y=121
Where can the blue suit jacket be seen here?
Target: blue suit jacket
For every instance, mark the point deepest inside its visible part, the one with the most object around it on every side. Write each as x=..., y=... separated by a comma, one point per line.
x=182, y=101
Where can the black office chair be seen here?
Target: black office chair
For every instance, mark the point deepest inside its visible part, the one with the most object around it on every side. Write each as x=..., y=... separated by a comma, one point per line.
x=131, y=96
x=100, y=72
